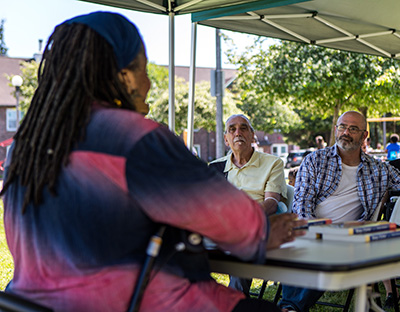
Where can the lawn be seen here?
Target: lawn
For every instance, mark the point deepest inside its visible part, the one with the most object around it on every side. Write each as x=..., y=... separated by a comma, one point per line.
x=338, y=297
x=269, y=294
x=6, y=262
x=7, y=267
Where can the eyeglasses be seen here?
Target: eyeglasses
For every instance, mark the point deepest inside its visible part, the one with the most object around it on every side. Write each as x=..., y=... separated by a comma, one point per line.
x=352, y=129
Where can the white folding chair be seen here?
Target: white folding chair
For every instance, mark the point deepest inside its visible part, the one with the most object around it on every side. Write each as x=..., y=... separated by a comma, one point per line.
x=290, y=197
x=284, y=207
x=395, y=216
x=289, y=208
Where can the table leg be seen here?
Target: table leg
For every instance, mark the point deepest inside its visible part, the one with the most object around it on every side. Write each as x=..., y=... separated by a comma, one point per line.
x=361, y=299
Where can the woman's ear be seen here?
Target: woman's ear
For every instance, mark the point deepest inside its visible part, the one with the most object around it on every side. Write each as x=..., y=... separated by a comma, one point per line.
x=127, y=78
x=122, y=77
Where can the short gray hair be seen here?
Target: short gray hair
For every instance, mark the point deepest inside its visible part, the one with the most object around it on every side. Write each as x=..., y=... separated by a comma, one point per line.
x=363, y=119
x=241, y=116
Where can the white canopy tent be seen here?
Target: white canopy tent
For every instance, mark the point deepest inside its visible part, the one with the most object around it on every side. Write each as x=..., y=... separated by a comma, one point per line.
x=364, y=26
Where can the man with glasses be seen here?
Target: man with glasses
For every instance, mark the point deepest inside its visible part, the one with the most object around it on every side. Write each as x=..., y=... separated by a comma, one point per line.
x=342, y=183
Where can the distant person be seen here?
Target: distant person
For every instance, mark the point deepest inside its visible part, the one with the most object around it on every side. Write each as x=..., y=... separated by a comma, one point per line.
x=320, y=142
x=393, y=148
x=339, y=182
x=260, y=175
x=90, y=180
x=256, y=143
x=368, y=147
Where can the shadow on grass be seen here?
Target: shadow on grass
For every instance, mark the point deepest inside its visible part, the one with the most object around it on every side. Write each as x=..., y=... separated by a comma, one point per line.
x=338, y=297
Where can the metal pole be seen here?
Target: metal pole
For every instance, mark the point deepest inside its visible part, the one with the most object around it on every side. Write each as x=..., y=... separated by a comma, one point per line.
x=171, y=107
x=190, y=126
x=220, y=147
x=384, y=134
x=17, y=91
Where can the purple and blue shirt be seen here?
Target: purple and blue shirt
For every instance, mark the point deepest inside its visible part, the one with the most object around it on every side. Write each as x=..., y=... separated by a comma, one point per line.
x=82, y=249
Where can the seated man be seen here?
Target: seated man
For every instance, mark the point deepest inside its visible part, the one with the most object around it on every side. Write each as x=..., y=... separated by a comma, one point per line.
x=341, y=183
x=260, y=175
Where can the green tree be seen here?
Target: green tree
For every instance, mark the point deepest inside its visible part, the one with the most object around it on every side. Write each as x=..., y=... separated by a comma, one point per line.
x=159, y=81
x=158, y=97
x=29, y=72
x=308, y=128
x=323, y=82
x=205, y=104
x=3, y=48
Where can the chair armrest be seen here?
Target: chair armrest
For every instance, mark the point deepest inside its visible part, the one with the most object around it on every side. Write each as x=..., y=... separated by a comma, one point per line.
x=13, y=303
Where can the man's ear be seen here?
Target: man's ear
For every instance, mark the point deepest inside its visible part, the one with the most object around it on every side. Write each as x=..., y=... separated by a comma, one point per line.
x=226, y=141
x=365, y=135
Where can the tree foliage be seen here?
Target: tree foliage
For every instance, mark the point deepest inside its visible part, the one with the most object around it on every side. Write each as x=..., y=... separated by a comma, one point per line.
x=158, y=97
x=3, y=48
x=308, y=128
x=29, y=72
x=323, y=82
x=204, y=107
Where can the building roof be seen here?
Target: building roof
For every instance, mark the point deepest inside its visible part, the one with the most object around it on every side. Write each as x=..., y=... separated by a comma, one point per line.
x=8, y=66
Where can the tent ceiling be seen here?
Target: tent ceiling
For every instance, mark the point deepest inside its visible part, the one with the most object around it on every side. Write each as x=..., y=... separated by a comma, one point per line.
x=365, y=26
x=176, y=6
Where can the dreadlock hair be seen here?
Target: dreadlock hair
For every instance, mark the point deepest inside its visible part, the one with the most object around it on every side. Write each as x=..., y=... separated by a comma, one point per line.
x=78, y=67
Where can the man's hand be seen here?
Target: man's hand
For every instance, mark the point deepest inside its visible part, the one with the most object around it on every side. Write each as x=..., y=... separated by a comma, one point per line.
x=281, y=229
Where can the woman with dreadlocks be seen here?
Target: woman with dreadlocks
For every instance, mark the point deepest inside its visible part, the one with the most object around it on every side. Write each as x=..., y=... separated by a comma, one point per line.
x=90, y=180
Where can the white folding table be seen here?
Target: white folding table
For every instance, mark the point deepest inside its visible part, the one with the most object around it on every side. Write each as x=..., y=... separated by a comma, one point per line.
x=324, y=265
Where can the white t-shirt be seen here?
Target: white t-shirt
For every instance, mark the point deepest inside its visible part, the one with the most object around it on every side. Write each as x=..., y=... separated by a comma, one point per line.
x=344, y=204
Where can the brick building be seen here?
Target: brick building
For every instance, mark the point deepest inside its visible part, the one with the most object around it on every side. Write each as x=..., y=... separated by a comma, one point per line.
x=8, y=121
x=272, y=143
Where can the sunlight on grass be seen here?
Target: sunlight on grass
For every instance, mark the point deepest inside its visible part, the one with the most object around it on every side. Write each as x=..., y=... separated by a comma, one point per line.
x=338, y=297
x=270, y=291
x=6, y=262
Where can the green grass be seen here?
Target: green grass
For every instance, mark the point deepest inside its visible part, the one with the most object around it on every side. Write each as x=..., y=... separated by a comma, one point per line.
x=6, y=261
x=7, y=269
x=338, y=297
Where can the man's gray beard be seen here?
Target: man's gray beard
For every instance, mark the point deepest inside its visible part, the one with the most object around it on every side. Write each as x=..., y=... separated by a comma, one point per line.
x=348, y=146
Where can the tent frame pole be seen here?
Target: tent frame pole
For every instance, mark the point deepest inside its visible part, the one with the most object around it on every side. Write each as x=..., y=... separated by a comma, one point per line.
x=171, y=82
x=192, y=80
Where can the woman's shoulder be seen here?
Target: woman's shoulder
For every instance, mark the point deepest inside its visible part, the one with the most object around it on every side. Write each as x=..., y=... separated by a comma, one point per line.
x=123, y=120
x=112, y=129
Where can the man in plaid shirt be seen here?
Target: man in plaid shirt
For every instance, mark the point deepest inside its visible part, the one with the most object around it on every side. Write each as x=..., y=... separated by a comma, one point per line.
x=342, y=183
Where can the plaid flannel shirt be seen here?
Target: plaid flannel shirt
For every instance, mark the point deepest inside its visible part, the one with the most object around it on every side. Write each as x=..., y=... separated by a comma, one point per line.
x=321, y=171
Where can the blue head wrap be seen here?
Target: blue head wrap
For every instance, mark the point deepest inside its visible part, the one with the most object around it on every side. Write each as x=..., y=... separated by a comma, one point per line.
x=117, y=30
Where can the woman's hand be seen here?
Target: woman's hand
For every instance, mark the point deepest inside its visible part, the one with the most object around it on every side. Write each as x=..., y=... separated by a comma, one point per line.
x=282, y=229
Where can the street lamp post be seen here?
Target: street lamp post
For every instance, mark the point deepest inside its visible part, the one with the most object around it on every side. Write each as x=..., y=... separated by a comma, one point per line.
x=16, y=81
